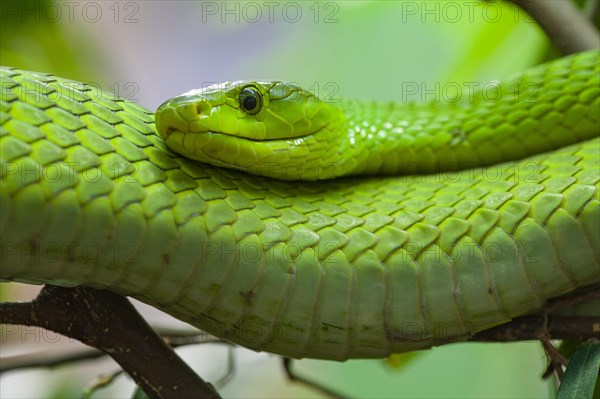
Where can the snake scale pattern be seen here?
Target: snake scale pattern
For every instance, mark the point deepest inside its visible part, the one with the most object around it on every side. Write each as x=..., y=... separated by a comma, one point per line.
x=357, y=267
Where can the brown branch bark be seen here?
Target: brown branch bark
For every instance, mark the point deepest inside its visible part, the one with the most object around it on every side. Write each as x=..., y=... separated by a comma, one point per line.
x=525, y=328
x=84, y=313
x=110, y=323
x=565, y=26
x=529, y=328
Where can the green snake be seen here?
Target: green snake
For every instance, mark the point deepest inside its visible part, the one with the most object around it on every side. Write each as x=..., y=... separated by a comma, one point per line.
x=502, y=213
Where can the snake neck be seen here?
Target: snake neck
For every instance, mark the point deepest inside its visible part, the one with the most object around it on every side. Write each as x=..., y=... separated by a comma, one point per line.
x=525, y=115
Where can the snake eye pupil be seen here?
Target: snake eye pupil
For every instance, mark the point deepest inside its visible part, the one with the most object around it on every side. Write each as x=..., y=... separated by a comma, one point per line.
x=250, y=100
x=250, y=103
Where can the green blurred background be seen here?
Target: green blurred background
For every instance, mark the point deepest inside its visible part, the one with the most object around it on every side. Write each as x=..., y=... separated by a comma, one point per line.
x=148, y=51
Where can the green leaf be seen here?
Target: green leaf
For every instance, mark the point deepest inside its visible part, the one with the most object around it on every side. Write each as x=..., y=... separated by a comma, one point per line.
x=582, y=373
x=400, y=360
x=139, y=394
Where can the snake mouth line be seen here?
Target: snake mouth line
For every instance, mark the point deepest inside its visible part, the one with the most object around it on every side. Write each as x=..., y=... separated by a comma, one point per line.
x=212, y=133
x=253, y=140
x=208, y=136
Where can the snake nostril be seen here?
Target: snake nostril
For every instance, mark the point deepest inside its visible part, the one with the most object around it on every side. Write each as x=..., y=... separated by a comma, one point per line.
x=203, y=107
x=169, y=120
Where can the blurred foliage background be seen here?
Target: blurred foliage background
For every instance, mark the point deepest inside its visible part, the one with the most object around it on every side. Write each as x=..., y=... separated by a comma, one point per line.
x=148, y=51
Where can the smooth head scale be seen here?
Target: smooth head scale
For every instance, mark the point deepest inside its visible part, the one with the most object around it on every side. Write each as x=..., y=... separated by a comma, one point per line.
x=273, y=129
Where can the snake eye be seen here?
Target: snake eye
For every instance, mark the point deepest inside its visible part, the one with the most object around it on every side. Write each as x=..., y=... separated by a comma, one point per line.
x=250, y=100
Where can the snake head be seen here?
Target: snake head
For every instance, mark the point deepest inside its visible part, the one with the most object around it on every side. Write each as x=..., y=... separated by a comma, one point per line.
x=274, y=129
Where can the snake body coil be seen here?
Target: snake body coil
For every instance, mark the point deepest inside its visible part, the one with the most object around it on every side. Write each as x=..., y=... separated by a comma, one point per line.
x=348, y=268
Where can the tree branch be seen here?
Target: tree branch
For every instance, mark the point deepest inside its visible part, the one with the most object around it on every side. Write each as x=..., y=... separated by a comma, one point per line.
x=319, y=388
x=565, y=26
x=110, y=323
x=558, y=327
x=529, y=327
x=592, y=11
x=50, y=360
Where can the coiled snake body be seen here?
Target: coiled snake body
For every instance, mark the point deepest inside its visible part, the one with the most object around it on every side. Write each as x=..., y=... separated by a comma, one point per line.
x=344, y=268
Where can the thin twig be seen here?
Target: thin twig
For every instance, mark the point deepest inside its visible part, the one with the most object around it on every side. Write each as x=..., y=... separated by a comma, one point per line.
x=47, y=359
x=229, y=373
x=580, y=296
x=101, y=381
x=287, y=366
x=51, y=359
x=555, y=359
